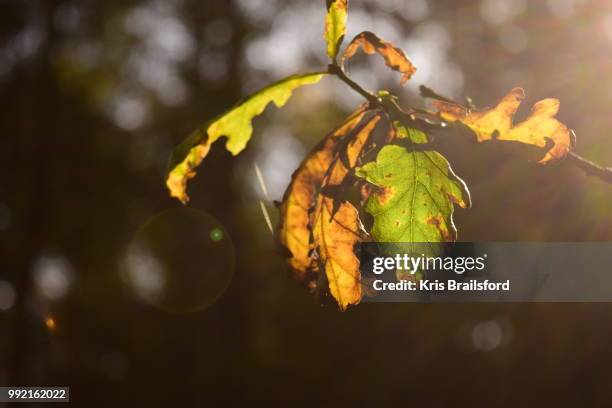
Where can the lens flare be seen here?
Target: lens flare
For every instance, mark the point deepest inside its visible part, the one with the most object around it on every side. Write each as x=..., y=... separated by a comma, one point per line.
x=181, y=260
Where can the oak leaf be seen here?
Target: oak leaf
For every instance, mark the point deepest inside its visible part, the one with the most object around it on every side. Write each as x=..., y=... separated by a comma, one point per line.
x=416, y=193
x=337, y=228
x=335, y=26
x=235, y=125
x=394, y=57
x=299, y=198
x=538, y=129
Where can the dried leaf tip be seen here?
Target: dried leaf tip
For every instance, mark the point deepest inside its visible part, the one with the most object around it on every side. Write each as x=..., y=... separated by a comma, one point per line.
x=394, y=57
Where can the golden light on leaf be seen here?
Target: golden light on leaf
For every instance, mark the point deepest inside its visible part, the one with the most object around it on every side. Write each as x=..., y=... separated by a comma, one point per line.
x=235, y=125
x=337, y=228
x=335, y=26
x=294, y=229
x=540, y=129
x=336, y=234
x=394, y=57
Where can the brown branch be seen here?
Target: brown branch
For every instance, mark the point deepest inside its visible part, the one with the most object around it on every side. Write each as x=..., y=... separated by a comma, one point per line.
x=430, y=93
x=590, y=168
x=335, y=69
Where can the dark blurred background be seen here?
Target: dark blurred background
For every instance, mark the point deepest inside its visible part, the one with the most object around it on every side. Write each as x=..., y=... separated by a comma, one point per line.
x=96, y=93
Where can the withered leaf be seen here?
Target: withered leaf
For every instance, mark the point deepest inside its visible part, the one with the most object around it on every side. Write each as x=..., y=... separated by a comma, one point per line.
x=336, y=236
x=337, y=228
x=497, y=123
x=298, y=200
x=395, y=58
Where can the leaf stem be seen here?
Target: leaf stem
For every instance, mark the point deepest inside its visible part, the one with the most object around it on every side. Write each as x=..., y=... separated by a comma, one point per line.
x=430, y=93
x=335, y=69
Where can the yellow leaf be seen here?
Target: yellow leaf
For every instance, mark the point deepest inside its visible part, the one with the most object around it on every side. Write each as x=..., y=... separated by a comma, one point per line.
x=294, y=229
x=235, y=125
x=336, y=231
x=395, y=58
x=335, y=26
x=336, y=234
x=497, y=123
x=542, y=125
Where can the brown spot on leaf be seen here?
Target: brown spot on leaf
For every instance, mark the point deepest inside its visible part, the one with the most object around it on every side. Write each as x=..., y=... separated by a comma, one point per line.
x=439, y=222
x=455, y=200
x=385, y=194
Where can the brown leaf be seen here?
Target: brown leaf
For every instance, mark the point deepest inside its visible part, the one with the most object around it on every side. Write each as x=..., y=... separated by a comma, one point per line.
x=336, y=236
x=294, y=231
x=497, y=123
x=395, y=58
x=337, y=228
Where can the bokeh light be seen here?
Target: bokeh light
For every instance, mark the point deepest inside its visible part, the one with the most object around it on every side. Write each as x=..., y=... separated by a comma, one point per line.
x=181, y=260
x=53, y=276
x=7, y=295
x=50, y=323
x=216, y=234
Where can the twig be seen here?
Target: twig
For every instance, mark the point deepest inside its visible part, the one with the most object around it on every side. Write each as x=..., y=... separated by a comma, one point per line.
x=590, y=168
x=336, y=70
x=430, y=93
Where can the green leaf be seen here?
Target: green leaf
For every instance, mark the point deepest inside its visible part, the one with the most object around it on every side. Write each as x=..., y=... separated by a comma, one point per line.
x=235, y=125
x=335, y=26
x=415, y=195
